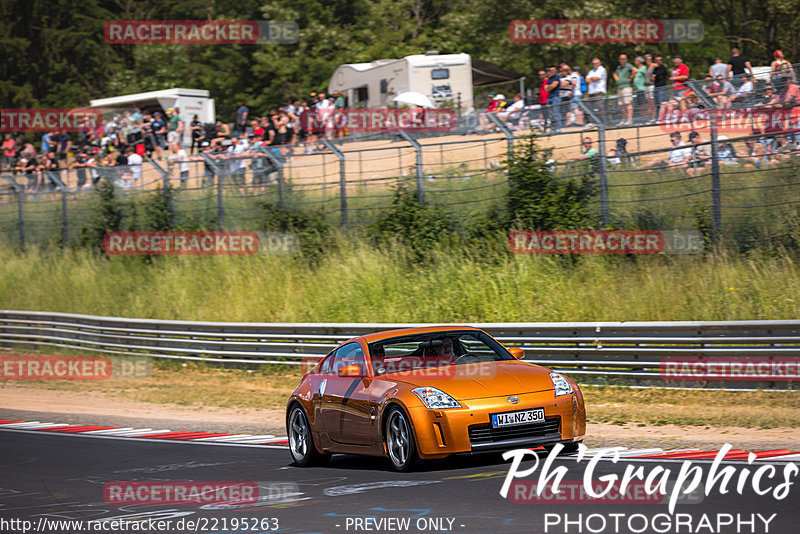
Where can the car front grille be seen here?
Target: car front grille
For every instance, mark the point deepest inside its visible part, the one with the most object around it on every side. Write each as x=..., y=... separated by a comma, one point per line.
x=486, y=434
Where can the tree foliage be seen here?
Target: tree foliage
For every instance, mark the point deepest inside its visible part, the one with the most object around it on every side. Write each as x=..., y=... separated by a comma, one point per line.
x=54, y=53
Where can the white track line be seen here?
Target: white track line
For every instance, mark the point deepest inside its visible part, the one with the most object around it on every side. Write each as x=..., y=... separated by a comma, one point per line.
x=114, y=430
x=232, y=437
x=640, y=452
x=33, y=425
x=126, y=438
x=254, y=440
x=140, y=433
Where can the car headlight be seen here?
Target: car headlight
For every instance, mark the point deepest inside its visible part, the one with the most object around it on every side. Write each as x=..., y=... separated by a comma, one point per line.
x=560, y=384
x=435, y=399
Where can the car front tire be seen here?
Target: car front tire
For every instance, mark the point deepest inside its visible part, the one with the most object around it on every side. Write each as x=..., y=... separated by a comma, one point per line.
x=399, y=439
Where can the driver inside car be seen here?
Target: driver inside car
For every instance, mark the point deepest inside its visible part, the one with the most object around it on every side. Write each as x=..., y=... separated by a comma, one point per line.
x=440, y=353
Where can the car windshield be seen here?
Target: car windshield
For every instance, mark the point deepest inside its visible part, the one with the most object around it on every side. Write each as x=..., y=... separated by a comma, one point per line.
x=434, y=349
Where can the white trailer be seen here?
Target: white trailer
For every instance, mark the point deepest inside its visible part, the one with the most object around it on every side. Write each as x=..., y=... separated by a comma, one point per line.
x=191, y=102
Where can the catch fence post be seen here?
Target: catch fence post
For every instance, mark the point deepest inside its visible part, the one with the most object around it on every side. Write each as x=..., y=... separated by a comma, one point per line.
x=601, y=162
x=220, y=203
x=716, y=190
x=420, y=174
x=342, y=179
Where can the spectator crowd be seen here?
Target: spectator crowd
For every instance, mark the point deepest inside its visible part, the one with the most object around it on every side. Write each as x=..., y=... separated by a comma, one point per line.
x=646, y=91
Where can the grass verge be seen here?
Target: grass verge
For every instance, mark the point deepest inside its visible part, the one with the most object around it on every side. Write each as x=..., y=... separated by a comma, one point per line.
x=356, y=281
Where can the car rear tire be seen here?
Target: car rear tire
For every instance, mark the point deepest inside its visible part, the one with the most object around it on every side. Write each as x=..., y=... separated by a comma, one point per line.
x=399, y=439
x=301, y=441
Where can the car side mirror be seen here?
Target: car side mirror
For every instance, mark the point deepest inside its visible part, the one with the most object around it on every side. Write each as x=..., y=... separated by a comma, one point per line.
x=517, y=352
x=350, y=370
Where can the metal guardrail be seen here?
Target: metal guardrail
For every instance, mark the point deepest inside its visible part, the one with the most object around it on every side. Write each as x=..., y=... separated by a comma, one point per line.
x=625, y=350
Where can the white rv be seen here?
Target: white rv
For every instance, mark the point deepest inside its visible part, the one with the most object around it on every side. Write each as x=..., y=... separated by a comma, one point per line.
x=445, y=78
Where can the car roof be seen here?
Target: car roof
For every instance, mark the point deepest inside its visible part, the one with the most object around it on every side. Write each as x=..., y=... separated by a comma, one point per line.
x=386, y=334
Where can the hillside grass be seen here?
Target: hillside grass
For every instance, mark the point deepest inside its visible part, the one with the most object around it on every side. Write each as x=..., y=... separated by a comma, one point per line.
x=355, y=281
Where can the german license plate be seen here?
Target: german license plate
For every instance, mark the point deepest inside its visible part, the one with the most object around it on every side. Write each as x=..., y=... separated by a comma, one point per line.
x=522, y=417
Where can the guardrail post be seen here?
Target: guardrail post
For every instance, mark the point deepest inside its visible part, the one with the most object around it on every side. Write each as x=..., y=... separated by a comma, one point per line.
x=503, y=128
x=716, y=190
x=342, y=179
x=420, y=173
x=601, y=162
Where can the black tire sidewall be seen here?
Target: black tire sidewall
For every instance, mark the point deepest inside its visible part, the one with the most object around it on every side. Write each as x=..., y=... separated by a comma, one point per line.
x=412, y=459
x=310, y=450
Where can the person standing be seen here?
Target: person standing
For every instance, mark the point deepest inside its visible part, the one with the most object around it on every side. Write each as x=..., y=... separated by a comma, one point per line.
x=567, y=88
x=624, y=78
x=553, y=88
x=577, y=95
x=179, y=156
x=678, y=77
x=650, y=66
x=543, y=118
x=640, y=96
x=737, y=66
x=241, y=119
x=718, y=68
x=134, y=162
x=197, y=132
x=778, y=66
x=659, y=77
x=596, y=92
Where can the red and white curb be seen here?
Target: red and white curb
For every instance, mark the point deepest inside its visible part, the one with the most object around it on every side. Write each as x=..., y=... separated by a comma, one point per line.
x=221, y=438
x=270, y=441
x=695, y=454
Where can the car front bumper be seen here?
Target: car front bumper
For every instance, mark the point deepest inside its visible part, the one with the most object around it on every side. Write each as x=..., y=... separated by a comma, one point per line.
x=468, y=429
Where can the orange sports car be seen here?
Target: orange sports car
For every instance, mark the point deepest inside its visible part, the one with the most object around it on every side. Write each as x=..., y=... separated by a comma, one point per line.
x=423, y=393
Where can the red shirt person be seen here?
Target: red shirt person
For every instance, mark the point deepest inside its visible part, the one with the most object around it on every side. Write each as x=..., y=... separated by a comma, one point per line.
x=678, y=77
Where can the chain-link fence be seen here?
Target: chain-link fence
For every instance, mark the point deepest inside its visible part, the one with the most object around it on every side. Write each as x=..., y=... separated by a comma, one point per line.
x=731, y=172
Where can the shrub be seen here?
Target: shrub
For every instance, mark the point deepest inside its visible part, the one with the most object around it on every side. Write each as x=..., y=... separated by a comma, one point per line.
x=539, y=201
x=417, y=225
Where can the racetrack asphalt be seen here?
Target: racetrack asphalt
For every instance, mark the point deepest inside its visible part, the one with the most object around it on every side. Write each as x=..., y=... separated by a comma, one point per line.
x=63, y=476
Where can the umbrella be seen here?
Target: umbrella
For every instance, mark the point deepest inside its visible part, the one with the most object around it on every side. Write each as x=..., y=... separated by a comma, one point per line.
x=414, y=98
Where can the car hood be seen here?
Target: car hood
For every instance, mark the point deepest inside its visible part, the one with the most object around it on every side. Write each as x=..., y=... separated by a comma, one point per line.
x=480, y=380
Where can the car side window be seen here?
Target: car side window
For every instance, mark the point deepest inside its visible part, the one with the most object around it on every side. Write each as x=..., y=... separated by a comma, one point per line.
x=325, y=368
x=350, y=354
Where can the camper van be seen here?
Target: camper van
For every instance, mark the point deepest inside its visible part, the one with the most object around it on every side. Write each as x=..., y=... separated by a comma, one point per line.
x=445, y=78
